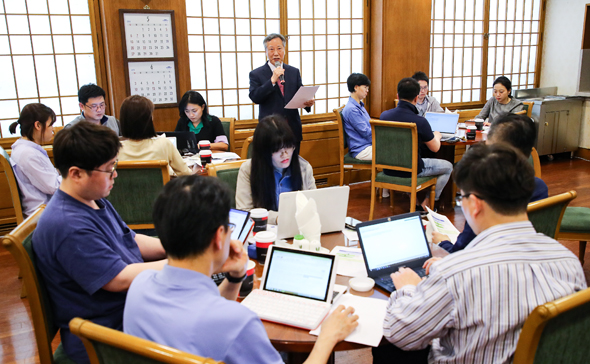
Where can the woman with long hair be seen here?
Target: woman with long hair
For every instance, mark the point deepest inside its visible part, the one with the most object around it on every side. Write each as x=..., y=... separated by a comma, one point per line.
x=36, y=176
x=141, y=142
x=195, y=117
x=275, y=167
x=501, y=103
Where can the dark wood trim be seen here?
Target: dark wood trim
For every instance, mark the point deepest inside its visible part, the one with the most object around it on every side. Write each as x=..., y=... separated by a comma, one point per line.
x=583, y=153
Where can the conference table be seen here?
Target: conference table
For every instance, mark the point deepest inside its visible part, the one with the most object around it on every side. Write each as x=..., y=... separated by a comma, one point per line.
x=298, y=342
x=453, y=152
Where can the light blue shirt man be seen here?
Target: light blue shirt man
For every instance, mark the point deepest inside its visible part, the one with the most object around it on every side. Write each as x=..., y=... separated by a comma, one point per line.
x=357, y=126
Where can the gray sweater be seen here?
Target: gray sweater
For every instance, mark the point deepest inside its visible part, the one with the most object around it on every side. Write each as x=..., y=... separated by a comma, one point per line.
x=111, y=122
x=494, y=110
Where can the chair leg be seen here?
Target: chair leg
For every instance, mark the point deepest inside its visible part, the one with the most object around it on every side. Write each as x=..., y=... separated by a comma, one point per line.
x=582, y=251
x=341, y=176
x=372, y=202
x=391, y=199
x=413, y=201
x=432, y=196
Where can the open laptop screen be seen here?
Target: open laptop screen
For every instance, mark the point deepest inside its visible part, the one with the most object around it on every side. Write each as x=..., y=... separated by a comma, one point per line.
x=441, y=122
x=299, y=273
x=392, y=242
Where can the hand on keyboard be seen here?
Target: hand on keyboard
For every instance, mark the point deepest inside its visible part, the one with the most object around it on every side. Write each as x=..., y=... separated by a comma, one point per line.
x=339, y=324
x=404, y=277
x=428, y=263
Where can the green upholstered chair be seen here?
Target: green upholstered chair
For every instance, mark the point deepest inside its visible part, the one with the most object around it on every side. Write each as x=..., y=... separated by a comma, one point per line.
x=546, y=214
x=108, y=346
x=19, y=244
x=556, y=332
x=229, y=130
x=12, y=185
x=247, y=148
x=575, y=225
x=395, y=147
x=228, y=173
x=346, y=160
x=137, y=185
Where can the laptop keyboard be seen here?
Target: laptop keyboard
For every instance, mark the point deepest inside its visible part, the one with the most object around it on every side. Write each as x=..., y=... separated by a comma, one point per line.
x=386, y=281
x=288, y=310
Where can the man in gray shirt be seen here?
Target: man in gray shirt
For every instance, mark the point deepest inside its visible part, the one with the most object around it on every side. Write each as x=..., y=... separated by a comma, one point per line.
x=92, y=106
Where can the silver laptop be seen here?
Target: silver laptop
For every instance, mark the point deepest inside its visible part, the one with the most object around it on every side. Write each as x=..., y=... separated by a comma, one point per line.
x=332, y=204
x=446, y=124
x=296, y=287
x=393, y=242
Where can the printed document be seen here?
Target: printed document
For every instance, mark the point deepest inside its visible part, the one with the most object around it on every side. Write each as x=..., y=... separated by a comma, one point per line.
x=303, y=95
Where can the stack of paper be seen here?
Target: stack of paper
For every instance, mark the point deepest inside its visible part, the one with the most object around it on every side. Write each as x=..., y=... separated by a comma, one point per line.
x=441, y=224
x=350, y=261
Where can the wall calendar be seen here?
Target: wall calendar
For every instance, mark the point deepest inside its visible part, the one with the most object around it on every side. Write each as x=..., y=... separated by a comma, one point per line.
x=154, y=80
x=148, y=35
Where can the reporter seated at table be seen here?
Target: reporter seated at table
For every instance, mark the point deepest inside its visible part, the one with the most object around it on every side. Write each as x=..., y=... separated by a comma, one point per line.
x=195, y=117
x=141, y=142
x=181, y=307
x=275, y=167
x=519, y=132
x=425, y=102
x=501, y=103
x=356, y=118
x=37, y=178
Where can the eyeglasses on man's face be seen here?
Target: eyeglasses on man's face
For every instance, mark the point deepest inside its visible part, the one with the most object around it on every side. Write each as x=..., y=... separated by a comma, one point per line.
x=96, y=107
x=112, y=171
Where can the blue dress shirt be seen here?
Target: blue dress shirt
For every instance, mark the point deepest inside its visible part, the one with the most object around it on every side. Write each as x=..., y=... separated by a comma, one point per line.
x=282, y=183
x=357, y=126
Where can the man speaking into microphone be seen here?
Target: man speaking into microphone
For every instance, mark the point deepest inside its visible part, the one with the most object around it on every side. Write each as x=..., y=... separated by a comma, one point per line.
x=274, y=84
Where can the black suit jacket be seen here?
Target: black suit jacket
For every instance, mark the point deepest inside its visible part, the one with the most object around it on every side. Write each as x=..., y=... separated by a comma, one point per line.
x=271, y=100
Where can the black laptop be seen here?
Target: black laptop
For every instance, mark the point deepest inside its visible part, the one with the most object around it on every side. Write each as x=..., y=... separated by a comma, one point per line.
x=393, y=242
x=186, y=141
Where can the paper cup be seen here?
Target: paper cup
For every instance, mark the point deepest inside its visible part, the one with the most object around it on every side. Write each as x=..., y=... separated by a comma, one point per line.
x=260, y=218
x=205, y=157
x=264, y=239
x=204, y=145
x=248, y=283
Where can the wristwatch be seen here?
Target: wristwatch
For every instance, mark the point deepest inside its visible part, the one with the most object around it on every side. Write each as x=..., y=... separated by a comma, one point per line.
x=231, y=279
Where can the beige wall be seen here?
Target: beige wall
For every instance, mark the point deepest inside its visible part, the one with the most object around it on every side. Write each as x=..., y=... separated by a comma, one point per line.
x=561, y=53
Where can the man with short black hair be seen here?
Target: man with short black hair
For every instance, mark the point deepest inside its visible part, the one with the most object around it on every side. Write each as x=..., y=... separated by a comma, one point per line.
x=86, y=254
x=518, y=131
x=473, y=303
x=425, y=102
x=407, y=93
x=181, y=307
x=355, y=118
x=92, y=105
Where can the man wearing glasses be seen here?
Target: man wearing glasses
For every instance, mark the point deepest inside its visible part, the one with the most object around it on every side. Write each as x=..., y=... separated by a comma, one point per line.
x=425, y=102
x=92, y=106
x=85, y=253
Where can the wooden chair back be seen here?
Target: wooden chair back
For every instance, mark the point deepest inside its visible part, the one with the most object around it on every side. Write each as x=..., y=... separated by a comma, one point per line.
x=137, y=185
x=465, y=115
x=12, y=185
x=105, y=345
x=19, y=244
x=556, y=332
x=536, y=162
x=342, y=141
x=546, y=214
x=247, y=148
x=528, y=106
x=521, y=112
x=229, y=128
x=228, y=173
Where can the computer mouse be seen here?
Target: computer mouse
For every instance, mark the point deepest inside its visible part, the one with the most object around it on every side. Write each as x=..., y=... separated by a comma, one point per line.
x=361, y=284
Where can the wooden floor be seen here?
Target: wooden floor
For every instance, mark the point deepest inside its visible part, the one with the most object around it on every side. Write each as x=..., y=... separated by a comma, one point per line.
x=16, y=333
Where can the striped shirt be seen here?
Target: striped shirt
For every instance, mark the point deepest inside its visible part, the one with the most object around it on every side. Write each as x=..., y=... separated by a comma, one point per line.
x=473, y=305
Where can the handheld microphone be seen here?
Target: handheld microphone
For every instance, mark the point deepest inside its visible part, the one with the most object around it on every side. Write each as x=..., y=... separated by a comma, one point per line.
x=281, y=77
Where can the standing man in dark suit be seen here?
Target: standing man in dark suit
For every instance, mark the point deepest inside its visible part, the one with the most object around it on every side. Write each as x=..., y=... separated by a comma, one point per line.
x=272, y=93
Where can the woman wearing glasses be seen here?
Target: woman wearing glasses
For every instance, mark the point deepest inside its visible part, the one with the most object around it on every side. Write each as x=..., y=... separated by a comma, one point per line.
x=275, y=167
x=141, y=142
x=37, y=178
x=195, y=117
x=425, y=103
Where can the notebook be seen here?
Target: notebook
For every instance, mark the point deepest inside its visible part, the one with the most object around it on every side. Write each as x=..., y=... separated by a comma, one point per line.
x=332, y=204
x=186, y=141
x=393, y=242
x=444, y=123
x=296, y=287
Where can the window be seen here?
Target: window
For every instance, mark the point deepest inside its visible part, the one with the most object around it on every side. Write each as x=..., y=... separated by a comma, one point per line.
x=48, y=45
x=472, y=45
x=226, y=43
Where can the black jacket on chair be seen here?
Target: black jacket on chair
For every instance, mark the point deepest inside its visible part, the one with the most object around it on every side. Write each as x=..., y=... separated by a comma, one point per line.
x=270, y=99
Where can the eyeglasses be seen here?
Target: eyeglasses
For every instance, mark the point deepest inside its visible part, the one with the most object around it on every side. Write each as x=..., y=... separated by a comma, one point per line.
x=231, y=226
x=461, y=197
x=423, y=88
x=112, y=171
x=95, y=107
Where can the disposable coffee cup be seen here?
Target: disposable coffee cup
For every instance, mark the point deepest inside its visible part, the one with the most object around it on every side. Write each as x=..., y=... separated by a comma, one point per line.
x=260, y=218
x=264, y=239
x=204, y=145
x=205, y=157
x=479, y=124
x=248, y=283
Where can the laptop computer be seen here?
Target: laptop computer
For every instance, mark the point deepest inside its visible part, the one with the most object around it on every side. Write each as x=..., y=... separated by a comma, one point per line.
x=446, y=124
x=332, y=204
x=391, y=243
x=186, y=141
x=296, y=287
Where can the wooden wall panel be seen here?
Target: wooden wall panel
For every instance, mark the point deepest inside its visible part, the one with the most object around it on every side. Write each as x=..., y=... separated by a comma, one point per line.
x=400, y=46
x=164, y=118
